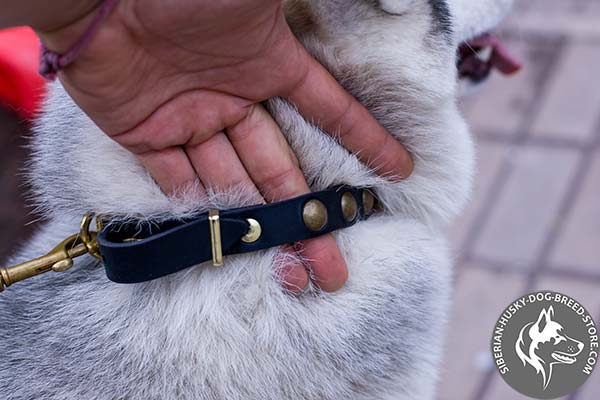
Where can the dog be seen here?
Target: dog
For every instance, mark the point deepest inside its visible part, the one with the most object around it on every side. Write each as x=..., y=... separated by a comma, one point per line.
x=233, y=333
x=542, y=344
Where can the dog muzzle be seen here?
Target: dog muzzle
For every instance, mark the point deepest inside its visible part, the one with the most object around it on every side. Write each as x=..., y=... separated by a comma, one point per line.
x=132, y=252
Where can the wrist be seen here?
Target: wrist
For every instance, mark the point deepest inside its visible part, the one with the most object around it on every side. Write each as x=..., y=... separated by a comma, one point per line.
x=44, y=15
x=60, y=35
x=59, y=50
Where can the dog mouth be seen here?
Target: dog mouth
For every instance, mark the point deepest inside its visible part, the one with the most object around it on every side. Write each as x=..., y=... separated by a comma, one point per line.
x=478, y=57
x=563, y=358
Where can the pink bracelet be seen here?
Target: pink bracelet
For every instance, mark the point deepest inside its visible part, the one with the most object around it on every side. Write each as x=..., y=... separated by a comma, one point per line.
x=51, y=62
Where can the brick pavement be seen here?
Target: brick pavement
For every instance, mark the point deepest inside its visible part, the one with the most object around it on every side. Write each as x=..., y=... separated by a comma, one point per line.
x=534, y=222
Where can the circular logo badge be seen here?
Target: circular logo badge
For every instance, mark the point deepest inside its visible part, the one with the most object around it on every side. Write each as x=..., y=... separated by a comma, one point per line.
x=545, y=345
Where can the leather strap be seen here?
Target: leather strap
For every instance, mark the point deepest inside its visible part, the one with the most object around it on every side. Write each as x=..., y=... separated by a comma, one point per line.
x=134, y=253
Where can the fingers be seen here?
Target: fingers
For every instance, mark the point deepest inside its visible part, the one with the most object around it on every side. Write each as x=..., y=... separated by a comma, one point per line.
x=189, y=119
x=265, y=153
x=273, y=167
x=170, y=168
x=327, y=263
x=319, y=97
x=178, y=145
x=219, y=167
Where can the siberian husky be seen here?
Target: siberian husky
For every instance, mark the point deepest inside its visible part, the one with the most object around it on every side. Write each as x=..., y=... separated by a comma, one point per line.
x=233, y=333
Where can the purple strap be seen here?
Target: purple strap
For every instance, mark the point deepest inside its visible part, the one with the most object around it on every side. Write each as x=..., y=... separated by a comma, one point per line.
x=51, y=62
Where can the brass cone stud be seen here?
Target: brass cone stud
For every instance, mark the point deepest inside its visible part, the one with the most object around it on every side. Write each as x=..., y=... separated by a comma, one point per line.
x=349, y=207
x=314, y=215
x=368, y=202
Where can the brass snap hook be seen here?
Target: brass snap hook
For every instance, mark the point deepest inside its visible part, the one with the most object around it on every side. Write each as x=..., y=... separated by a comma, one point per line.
x=59, y=259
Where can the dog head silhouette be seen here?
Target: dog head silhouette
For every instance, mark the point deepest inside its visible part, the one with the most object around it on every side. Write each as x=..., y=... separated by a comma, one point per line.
x=544, y=343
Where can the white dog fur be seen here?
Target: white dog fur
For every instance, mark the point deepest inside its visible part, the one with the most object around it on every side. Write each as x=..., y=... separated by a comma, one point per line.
x=233, y=333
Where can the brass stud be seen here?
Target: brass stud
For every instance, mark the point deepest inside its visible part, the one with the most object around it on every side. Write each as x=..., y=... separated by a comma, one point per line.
x=349, y=207
x=254, y=231
x=314, y=215
x=368, y=202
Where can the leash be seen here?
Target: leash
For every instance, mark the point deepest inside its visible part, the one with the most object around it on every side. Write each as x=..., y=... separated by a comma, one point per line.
x=134, y=253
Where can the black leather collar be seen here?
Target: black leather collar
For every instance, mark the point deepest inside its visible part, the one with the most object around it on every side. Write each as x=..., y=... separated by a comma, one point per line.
x=134, y=253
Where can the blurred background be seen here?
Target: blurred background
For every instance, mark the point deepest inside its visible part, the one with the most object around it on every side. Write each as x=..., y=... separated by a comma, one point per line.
x=534, y=222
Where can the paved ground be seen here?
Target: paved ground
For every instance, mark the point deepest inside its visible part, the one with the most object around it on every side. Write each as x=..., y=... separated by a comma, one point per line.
x=535, y=219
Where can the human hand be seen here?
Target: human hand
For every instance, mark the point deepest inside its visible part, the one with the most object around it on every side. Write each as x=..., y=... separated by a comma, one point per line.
x=180, y=84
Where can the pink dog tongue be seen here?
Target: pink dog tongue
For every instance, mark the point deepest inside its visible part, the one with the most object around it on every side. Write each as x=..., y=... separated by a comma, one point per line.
x=501, y=58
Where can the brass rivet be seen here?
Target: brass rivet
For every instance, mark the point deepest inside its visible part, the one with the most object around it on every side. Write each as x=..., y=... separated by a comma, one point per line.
x=314, y=215
x=254, y=231
x=349, y=207
x=368, y=202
